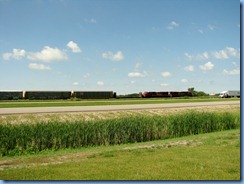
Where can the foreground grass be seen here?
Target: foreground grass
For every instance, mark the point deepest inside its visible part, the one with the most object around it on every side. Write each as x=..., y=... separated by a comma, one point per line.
x=62, y=103
x=33, y=137
x=212, y=156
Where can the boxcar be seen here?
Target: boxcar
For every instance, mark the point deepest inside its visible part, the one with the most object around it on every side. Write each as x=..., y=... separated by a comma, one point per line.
x=93, y=94
x=11, y=95
x=41, y=95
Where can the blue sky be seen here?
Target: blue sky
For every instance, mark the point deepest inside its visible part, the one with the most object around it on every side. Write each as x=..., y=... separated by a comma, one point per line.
x=122, y=45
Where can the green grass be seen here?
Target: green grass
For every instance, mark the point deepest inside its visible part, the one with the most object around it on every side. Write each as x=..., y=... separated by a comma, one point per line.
x=32, y=137
x=212, y=156
x=60, y=103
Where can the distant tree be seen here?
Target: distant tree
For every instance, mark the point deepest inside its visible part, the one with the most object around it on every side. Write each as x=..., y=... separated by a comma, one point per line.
x=201, y=93
x=197, y=93
x=193, y=92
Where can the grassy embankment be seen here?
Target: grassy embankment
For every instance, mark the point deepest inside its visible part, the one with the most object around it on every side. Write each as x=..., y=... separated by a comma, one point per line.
x=211, y=156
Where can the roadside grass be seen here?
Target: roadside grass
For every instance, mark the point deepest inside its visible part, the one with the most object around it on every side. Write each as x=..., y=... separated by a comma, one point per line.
x=33, y=137
x=63, y=103
x=211, y=156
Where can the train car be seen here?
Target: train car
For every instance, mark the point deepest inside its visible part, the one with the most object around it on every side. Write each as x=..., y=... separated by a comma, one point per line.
x=11, y=95
x=42, y=95
x=166, y=94
x=94, y=94
x=185, y=93
x=155, y=94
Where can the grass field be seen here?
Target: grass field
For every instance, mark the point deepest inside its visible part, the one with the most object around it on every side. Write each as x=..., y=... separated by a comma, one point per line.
x=59, y=103
x=208, y=156
x=212, y=156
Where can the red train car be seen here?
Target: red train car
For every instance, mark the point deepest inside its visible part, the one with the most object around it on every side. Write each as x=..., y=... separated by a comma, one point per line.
x=166, y=94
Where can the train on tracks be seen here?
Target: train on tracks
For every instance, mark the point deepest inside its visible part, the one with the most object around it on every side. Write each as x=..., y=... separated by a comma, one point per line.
x=166, y=94
x=45, y=95
x=52, y=95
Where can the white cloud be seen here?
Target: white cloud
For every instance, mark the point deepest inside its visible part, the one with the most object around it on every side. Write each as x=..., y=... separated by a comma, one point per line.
x=166, y=74
x=100, y=83
x=35, y=66
x=200, y=31
x=225, y=53
x=138, y=66
x=197, y=57
x=207, y=66
x=211, y=27
x=172, y=25
x=118, y=56
x=164, y=85
x=184, y=80
x=75, y=83
x=48, y=54
x=92, y=20
x=189, y=57
x=87, y=75
x=233, y=52
x=231, y=72
x=135, y=74
x=74, y=47
x=222, y=54
x=189, y=68
x=205, y=55
x=15, y=54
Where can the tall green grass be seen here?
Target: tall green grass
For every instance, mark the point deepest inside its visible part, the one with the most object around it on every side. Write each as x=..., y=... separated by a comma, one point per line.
x=37, y=136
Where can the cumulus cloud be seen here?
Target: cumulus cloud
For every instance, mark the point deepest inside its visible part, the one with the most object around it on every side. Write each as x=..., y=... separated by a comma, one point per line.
x=184, y=80
x=118, y=56
x=35, y=66
x=207, y=66
x=48, y=54
x=16, y=54
x=75, y=83
x=166, y=74
x=197, y=57
x=74, y=47
x=189, y=68
x=225, y=53
x=222, y=54
x=233, y=52
x=100, y=83
x=172, y=25
x=135, y=75
x=231, y=72
x=164, y=85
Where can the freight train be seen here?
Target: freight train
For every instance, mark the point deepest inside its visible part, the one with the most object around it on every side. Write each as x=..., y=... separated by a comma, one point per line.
x=43, y=95
x=166, y=94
